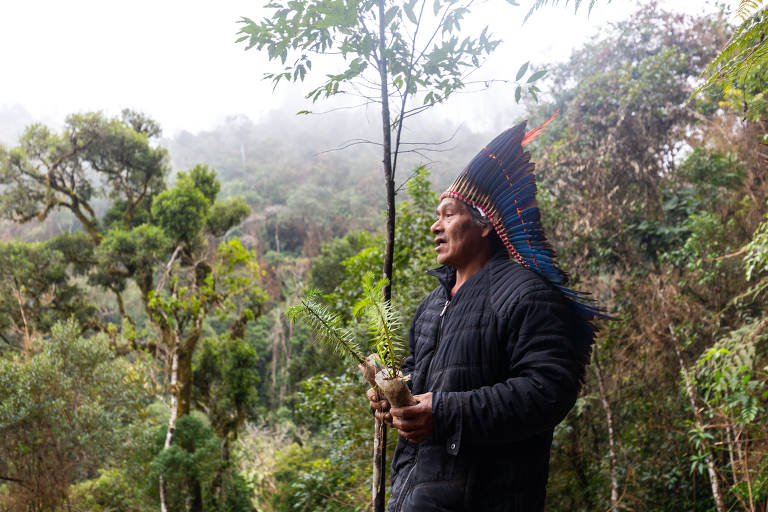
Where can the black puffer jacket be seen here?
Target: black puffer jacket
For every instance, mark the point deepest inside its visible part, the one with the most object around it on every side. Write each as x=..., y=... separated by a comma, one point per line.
x=504, y=359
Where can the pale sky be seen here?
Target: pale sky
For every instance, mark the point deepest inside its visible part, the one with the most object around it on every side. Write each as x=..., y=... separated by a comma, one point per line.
x=178, y=62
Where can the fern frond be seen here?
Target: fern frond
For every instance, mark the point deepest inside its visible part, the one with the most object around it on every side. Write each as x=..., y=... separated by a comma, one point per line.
x=745, y=8
x=538, y=4
x=327, y=327
x=745, y=50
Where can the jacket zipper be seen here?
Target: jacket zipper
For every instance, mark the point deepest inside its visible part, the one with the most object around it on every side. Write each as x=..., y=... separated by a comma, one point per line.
x=447, y=303
x=406, y=484
x=439, y=335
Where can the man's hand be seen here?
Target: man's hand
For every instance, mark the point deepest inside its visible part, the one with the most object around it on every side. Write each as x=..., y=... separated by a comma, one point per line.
x=380, y=407
x=415, y=422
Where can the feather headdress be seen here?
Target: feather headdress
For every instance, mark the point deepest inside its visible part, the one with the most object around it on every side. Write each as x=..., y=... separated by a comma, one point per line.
x=499, y=181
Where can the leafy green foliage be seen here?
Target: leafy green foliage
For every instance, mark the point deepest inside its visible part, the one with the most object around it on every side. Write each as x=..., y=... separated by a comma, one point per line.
x=36, y=290
x=414, y=243
x=195, y=469
x=656, y=207
x=181, y=211
x=650, y=202
x=65, y=409
x=728, y=377
x=756, y=260
x=381, y=317
x=195, y=458
x=733, y=388
x=327, y=267
x=434, y=67
x=227, y=287
x=150, y=237
x=150, y=245
x=133, y=254
x=190, y=207
x=205, y=180
x=112, y=488
x=414, y=254
x=49, y=171
x=225, y=376
x=332, y=473
x=387, y=49
x=619, y=129
x=225, y=214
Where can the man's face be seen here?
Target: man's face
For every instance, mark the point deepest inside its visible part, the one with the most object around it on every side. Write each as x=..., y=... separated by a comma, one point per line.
x=459, y=240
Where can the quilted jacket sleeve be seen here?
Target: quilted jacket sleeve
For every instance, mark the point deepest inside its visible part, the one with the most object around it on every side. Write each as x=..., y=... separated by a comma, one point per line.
x=547, y=347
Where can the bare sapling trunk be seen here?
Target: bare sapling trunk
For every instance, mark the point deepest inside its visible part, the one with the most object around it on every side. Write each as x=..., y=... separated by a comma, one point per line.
x=389, y=178
x=369, y=374
x=396, y=391
x=383, y=324
x=368, y=369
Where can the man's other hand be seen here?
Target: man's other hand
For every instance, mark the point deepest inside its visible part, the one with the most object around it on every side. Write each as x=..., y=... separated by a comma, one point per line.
x=380, y=407
x=415, y=422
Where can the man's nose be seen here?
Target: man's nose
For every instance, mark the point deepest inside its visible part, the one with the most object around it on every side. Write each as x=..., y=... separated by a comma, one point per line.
x=435, y=228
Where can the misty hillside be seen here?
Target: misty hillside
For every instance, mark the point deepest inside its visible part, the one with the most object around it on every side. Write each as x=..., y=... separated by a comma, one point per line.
x=289, y=168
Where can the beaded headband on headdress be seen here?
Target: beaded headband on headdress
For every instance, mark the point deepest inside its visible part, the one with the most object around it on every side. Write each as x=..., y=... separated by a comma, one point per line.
x=499, y=182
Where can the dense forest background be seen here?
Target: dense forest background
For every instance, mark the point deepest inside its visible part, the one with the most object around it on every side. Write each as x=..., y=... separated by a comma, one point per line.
x=144, y=348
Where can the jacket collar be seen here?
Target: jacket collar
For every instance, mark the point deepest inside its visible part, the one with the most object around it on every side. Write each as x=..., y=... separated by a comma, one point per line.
x=446, y=276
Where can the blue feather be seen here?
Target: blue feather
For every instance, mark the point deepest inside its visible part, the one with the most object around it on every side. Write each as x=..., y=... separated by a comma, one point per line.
x=501, y=178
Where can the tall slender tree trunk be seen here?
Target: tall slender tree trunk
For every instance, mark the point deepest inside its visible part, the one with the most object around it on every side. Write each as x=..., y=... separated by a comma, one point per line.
x=378, y=489
x=183, y=376
x=699, y=423
x=27, y=337
x=171, y=419
x=277, y=238
x=611, y=440
x=194, y=500
x=389, y=178
x=185, y=371
x=380, y=430
x=287, y=351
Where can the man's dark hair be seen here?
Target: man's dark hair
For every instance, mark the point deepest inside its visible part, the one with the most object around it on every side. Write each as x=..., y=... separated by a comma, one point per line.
x=484, y=221
x=477, y=216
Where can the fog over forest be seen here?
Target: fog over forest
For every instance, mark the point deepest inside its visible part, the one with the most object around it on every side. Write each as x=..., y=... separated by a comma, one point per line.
x=337, y=150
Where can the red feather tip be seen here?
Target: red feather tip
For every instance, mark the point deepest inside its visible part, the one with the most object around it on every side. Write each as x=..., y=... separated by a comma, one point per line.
x=537, y=131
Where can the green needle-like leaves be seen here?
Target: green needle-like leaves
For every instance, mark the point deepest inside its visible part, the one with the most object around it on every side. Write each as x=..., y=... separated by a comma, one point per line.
x=328, y=327
x=383, y=324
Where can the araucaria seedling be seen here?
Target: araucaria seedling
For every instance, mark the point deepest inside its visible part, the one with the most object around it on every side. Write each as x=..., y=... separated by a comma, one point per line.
x=382, y=368
x=384, y=328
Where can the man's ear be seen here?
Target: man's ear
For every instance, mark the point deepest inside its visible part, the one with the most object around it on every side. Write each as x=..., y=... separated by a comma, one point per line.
x=487, y=230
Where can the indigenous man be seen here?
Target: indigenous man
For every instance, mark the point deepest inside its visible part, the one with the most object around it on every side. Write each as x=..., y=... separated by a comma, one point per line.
x=498, y=349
